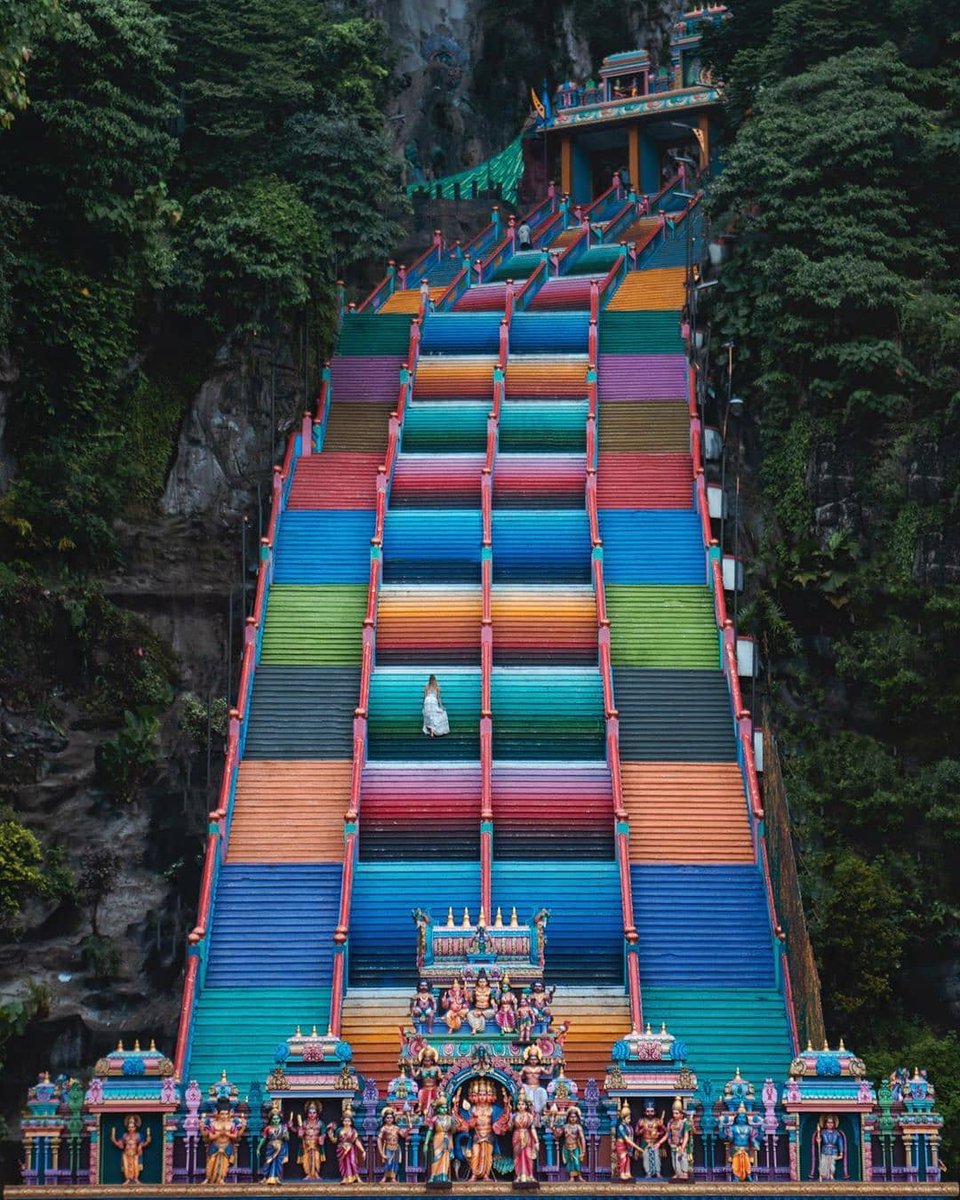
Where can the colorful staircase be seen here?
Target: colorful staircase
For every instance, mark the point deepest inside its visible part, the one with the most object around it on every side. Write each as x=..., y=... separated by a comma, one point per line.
x=531, y=496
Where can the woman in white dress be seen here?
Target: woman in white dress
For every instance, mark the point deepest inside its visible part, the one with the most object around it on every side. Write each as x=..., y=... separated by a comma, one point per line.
x=436, y=723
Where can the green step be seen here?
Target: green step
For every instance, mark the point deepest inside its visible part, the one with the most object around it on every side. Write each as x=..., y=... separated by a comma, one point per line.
x=530, y=428
x=446, y=428
x=237, y=1030
x=669, y=626
x=396, y=701
x=551, y=700
x=640, y=333
x=314, y=625
x=725, y=1028
x=374, y=333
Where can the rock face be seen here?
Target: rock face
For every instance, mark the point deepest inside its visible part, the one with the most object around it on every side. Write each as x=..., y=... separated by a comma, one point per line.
x=230, y=435
x=438, y=121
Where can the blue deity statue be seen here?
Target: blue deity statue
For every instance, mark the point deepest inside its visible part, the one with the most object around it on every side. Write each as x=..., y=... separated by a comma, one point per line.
x=829, y=1148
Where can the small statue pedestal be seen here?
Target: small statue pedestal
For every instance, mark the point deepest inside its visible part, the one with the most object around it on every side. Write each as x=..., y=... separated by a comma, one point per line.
x=131, y=1096
x=529, y=1185
x=829, y=1105
x=440, y=1185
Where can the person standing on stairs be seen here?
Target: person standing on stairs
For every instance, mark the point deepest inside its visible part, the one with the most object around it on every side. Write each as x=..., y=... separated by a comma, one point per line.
x=436, y=723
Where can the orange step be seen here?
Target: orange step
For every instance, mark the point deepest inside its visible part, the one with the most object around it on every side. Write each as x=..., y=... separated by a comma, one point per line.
x=371, y=1022
x=661, y=288
x=408, y=301
x=686, y=813
x=289, y=812
x=598, y=1017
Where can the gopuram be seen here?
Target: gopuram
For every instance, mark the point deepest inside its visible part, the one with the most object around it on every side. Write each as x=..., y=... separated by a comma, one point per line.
x=515, y=924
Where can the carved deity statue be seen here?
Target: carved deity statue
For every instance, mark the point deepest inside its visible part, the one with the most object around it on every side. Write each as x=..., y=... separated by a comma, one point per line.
x=573, y=1144
x=131, y=1145
x=439, y=1144
x=273, y=1149
x=624, y=1147
x=651, y=1134
x=506, y=1014
x=829, y=1148
x=526, y=1144
x=220, y=1132
x=429, y=1079
x=350, y=1149
x=679, y=1141
x=390, y=1145
x=423, y=1008
x=481, y=1007
x=531, y=1075
x=743, y=1139
x=455, y=1005
x=479, y=1121
x=312, y=1135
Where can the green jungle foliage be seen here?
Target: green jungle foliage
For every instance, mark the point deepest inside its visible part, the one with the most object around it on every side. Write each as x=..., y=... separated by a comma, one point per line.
x=184, y=173
x=843, y=296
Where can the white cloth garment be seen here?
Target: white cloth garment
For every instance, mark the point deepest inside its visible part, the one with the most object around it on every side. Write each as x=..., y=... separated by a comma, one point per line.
x=435, y=719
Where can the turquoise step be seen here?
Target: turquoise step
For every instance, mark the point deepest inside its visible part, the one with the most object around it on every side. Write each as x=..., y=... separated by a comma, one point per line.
x=725, y=1028
x=237, y=1030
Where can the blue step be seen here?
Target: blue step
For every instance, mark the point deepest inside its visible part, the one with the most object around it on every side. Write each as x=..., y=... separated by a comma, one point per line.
x=541, y=546
x=549, y=333
x=585, y=929
x=461, y=333
x=383, y=936
x=324, y=547
x=702, y=926
x=426, y=544
x=274, y=924
x=652, y=546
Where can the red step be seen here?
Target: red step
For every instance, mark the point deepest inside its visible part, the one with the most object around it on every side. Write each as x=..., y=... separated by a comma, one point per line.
x=644, y=481
x=338, y=480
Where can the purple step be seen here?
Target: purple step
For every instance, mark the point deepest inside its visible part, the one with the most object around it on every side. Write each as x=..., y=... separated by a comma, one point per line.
x=366, y=377
x=642, y=377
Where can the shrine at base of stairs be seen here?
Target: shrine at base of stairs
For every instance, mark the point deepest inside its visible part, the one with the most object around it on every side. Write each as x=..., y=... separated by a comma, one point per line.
x=487, y=901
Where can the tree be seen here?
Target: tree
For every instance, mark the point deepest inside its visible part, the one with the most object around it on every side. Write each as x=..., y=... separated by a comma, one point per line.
x=96, y=879
x=20, y=874
x=22, y=23
x=85, y=165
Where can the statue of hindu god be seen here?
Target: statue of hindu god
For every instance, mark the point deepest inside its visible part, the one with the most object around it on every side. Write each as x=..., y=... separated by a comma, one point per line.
x=312, y=1133
x=131, y=1145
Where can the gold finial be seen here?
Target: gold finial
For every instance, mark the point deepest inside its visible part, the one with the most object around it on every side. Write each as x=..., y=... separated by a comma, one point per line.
x=136, y=1044
x=826, y=1044
x=498, y=919
x=329, y=1031
x=153, y=1044
x=482, y=919
x=450, y=917
x=841, y=1046
x=649, y=1031
x=120, y=1044
x=809, y=1045
x=663, y=1027
x=737, y=1076
x=513, y=918
x=297, y=1032
x=313, y=1032
x=466, y=916
x=223, y=1076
